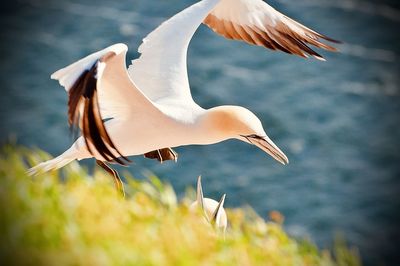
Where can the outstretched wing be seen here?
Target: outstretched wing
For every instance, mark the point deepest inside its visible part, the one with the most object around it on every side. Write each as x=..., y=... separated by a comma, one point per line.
x=99, y=87
x=160, y=71
x=255, y=22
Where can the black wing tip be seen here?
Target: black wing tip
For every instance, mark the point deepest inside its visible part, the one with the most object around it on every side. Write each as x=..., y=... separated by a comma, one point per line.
x=84, y=94
x=330, y=39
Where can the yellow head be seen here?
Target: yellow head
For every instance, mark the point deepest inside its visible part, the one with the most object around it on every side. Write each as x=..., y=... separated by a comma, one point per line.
x=228, y=122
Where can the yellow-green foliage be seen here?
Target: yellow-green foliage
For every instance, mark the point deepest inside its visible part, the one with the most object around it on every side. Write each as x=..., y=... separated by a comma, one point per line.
x=73, y=218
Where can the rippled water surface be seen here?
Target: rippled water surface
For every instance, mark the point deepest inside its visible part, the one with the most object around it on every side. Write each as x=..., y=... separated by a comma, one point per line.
x=336, y=120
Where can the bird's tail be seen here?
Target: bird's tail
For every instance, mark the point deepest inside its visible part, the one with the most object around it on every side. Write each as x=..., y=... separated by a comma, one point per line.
x=52, y=164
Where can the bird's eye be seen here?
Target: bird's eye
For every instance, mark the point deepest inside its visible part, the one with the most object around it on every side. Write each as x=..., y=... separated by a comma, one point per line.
x=252, y=136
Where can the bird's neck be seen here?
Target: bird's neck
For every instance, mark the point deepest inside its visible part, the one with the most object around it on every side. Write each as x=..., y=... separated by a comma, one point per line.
x=199, y=127
x=213, y=126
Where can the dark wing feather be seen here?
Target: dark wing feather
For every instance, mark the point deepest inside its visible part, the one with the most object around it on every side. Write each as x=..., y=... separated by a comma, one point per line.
x=257, y=23
x=83, y=96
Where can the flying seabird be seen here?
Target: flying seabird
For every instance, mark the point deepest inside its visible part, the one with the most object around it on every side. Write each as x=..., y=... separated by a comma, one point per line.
x=148, y=109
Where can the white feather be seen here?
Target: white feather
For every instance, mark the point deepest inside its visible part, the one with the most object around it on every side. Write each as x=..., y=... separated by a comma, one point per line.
x=161, y=69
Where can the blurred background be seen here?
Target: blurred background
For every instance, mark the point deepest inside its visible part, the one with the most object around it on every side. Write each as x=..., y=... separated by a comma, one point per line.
x=337, y=120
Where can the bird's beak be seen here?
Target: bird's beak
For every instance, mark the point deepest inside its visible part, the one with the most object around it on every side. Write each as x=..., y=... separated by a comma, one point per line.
x=217, y=213
x=266, y=144
x=200, y=197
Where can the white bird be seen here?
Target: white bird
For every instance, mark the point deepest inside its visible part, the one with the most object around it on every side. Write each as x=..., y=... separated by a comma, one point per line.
x=213, y=210
x=149, y=108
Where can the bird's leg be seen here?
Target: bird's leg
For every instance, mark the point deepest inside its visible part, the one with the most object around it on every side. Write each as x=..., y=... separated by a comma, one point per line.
x=118, y=182
x=162, y=155
x=173, y=154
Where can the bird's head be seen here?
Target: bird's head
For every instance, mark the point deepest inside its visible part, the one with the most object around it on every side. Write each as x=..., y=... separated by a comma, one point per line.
x=227, y=122
x=213, y=211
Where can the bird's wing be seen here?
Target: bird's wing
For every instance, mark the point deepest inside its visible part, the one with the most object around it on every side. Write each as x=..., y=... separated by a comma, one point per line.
x=99, y=87
x=161, y=71
x=256, y=22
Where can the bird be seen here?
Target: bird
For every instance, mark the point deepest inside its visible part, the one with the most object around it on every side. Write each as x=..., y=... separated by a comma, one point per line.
x=148, y=108
x=212, y=210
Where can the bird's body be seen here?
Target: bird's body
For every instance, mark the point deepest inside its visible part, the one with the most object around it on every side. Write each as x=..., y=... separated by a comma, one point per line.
x=151, y=133
x=148, y=108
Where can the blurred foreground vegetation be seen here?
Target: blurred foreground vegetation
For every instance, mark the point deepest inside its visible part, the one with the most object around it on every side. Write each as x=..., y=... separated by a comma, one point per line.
x=70, y=217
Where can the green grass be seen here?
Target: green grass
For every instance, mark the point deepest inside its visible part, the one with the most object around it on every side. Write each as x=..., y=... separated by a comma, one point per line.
x=73, y=218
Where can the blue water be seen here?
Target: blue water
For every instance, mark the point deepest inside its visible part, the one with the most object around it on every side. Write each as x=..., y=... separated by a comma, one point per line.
x=337, y=120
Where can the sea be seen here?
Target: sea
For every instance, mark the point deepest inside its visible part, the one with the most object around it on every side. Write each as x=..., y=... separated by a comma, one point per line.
x=337, y=121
